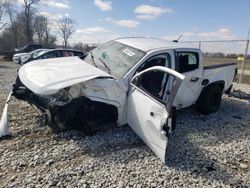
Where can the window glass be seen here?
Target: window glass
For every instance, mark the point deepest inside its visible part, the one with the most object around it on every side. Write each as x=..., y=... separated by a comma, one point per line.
x=115, y=58
x=188, y=61
x=66, y=53
x=154, y=82
x=158, y=60
x=53, y=54
x=78, y=53
x=37, y=53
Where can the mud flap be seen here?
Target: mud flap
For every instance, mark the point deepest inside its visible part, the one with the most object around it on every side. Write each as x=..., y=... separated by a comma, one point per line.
x=4, y=126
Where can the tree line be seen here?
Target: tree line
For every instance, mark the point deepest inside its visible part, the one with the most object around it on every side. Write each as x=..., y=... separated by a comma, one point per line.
x=22, y=25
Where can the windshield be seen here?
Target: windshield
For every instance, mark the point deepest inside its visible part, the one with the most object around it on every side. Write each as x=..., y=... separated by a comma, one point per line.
x=37, y=53
x=114, y=58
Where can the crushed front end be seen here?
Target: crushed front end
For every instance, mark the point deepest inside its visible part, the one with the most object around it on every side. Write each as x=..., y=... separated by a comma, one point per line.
x=61, y=111
x=69, y=94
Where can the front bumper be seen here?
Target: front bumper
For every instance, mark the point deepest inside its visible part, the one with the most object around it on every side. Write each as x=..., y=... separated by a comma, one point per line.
x=20, y=92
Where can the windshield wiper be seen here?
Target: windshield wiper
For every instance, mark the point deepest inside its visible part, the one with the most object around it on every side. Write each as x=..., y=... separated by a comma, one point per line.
x=93, y=59
x=106, y=66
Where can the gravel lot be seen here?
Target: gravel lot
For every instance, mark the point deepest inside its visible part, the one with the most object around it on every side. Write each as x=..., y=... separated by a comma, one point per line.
x=206, y=151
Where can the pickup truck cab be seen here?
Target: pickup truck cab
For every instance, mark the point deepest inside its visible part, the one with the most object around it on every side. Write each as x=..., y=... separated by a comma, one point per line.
x=135, y=81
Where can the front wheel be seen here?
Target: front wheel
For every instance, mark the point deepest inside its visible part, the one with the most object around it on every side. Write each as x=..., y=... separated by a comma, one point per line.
x=70, y=116
x=210, y=99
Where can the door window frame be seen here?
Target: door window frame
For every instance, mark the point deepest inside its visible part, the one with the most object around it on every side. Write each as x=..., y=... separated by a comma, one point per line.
x=196, y=54
x=146, y=93
x=175, y=83
x=170, y=81
x=150, y=57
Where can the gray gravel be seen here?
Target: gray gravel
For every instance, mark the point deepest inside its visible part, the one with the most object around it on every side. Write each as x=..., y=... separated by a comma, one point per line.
x=206, y=151
x=8, y=71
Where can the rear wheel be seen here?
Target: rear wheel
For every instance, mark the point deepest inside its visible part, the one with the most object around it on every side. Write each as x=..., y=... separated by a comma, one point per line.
x=210, y=99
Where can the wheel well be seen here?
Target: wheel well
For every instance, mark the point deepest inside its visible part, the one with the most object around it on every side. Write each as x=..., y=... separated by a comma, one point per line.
x=82, y=113
x=102, y=112
x=220, y=83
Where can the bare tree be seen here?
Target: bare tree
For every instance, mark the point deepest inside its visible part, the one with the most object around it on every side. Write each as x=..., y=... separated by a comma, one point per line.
x=2, y=24
x=23, y=25
x=28, y=4
x=65, y=28
x=49, y=39
x=41, y=26
x=11, y=13
x=47, y=36
x=2, y=8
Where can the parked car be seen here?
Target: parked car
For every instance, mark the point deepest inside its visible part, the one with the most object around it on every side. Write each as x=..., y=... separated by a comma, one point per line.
x=28, y=48
x=20, y=58
x=55, y=53
x=8, y=55
x=135, y=81
x=17, y=57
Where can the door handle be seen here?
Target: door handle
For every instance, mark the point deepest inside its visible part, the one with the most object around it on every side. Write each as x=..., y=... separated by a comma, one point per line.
x=154, y=113
x=194, y=79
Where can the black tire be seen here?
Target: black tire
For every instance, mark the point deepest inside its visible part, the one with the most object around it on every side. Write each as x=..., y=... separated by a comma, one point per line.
x=210, y=99
x=72, y=116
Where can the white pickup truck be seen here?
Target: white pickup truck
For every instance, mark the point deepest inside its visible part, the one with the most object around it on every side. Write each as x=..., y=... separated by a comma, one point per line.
x=135, y=81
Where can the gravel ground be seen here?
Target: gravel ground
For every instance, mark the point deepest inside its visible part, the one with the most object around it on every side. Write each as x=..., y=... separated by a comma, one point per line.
x=206, y=151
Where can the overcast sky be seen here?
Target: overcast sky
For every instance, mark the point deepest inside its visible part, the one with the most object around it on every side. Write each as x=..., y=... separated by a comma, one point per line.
x=102, y=20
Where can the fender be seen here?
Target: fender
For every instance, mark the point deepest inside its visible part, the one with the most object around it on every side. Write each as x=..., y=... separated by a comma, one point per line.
x=207, y=84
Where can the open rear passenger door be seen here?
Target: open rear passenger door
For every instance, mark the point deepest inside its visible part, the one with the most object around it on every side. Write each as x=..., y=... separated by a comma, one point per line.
x=149, y=116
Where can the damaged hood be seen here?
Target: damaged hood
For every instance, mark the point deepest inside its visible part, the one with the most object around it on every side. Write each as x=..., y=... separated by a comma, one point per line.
x=47, y=76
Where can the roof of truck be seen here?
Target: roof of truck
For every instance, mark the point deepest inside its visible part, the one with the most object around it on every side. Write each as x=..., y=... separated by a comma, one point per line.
x=146, y=43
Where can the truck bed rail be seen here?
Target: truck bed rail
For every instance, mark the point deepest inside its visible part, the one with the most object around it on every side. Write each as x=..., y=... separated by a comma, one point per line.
x=219, y=65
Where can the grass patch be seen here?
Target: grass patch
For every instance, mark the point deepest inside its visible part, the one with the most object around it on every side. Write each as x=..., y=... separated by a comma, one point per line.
x=245, y=80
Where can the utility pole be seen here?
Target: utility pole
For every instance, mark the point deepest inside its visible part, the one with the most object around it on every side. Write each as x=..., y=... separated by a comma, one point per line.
x=245, y=58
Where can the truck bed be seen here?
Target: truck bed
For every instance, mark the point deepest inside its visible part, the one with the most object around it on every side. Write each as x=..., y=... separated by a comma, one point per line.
x=221, y=72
